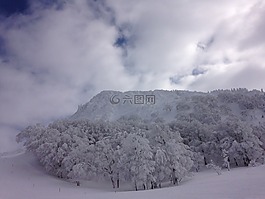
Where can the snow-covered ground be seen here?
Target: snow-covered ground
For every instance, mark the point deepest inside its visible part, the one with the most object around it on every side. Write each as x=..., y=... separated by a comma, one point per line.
x=21, y=177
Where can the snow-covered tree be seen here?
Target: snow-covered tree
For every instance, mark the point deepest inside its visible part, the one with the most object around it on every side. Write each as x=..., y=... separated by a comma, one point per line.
x=215, y=167
x=179, y=160
x=241, y=143
x=198, y=161
x=226, y=163
x=107, y=160
x=171, y=148
x=162, y=170
x=137, y=158
x=32, y=137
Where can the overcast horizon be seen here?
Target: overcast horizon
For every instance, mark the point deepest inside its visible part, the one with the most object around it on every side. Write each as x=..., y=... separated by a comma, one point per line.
x=56, y=55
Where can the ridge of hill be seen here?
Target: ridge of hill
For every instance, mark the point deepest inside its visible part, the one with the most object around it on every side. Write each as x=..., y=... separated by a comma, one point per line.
x=167, y=106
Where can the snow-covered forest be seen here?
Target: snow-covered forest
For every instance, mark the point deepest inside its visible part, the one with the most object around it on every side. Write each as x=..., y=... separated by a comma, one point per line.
x=152, y=145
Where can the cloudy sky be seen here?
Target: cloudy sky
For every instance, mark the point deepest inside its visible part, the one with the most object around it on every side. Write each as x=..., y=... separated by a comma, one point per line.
x=57, y=54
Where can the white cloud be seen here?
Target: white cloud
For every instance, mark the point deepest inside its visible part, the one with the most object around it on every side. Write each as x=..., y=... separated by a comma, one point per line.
x=166, y=33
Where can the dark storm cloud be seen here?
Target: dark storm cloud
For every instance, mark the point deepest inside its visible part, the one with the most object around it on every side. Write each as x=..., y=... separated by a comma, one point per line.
x=11, y=7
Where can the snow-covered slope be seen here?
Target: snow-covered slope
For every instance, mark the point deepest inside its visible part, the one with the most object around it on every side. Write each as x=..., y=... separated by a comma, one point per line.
x=112, y=105
x=21, y=177
x=171, y=105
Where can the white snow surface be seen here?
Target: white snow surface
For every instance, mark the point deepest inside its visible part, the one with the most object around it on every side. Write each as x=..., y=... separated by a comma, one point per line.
x=21, y=177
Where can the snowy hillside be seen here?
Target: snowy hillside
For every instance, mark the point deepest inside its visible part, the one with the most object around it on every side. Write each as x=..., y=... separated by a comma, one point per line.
x=23, y=178
x=150, y=105
x=155, y=139
x=171, y=105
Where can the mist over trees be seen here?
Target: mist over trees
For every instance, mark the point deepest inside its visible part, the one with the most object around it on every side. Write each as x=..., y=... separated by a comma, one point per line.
x=211, y=130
